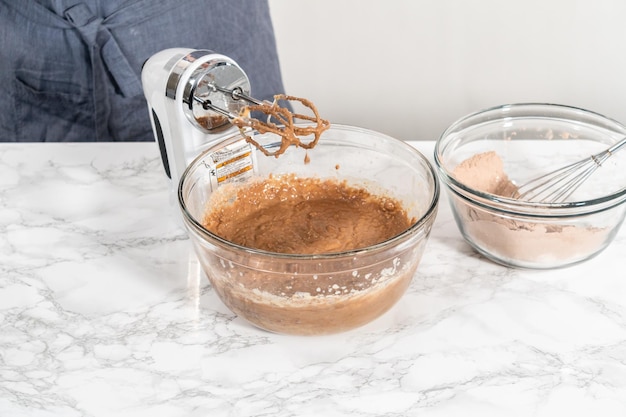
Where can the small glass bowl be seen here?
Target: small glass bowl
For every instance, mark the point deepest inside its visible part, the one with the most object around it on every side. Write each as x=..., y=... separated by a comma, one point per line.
x=324, y=293
x=532, y=139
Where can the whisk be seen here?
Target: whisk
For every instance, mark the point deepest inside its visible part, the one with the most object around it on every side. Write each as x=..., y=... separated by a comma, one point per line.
x=558, y=185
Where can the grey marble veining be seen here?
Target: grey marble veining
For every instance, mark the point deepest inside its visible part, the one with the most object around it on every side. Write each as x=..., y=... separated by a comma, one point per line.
x=105, y=312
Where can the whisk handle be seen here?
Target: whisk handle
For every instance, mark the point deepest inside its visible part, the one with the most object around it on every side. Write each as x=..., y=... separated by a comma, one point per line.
x=617, y=146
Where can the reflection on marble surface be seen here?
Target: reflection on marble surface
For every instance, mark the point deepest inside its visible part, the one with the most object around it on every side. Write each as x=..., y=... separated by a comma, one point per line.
x=105, y=312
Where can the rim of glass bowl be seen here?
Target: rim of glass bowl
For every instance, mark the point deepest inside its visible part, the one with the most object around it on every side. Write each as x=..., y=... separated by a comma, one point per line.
x=514, y=206
x=413, y=229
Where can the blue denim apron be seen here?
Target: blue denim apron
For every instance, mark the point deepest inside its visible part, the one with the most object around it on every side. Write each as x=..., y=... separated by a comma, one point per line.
x=70, y=70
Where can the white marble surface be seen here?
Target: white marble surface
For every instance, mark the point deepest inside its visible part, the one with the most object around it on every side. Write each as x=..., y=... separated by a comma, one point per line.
x=104, y=312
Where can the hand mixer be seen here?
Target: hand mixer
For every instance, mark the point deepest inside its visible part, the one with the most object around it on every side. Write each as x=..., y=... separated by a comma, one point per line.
x=198, y=97
x=192, y=95
x=556, y=186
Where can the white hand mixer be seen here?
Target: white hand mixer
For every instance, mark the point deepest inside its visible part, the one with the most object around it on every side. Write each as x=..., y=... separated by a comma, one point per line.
x=191, y=95
x=198, y=97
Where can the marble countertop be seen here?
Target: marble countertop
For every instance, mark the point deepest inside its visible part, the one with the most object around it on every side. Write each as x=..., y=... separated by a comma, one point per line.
x=104, y=312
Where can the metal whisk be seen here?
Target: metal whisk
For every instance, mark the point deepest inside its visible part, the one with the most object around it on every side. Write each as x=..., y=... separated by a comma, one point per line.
x=558, y=185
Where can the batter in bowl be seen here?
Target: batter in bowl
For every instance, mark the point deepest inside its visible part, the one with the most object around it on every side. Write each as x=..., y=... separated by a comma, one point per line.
x=289, y=214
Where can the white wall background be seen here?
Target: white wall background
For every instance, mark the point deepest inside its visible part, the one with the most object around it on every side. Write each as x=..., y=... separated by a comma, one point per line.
x=409, y=68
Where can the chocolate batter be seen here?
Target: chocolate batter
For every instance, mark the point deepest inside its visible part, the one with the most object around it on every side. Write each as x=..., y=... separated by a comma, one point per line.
x=288, y=214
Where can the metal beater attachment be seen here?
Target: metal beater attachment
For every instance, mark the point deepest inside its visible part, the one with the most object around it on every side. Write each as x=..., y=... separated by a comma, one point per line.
x=235, y=95
x=279, y=119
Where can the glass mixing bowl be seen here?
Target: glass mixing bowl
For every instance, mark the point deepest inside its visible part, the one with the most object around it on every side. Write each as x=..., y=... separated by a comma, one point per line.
x=312, y=294
x=532, y=139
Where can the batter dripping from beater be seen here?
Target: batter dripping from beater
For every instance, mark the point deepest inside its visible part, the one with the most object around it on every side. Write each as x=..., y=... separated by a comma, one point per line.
x=282, y=122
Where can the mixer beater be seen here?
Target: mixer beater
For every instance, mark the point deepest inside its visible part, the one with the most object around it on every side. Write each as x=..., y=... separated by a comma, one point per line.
x=279, y=120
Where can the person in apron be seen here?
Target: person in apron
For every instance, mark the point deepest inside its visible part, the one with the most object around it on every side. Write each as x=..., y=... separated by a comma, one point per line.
x=70, y=70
